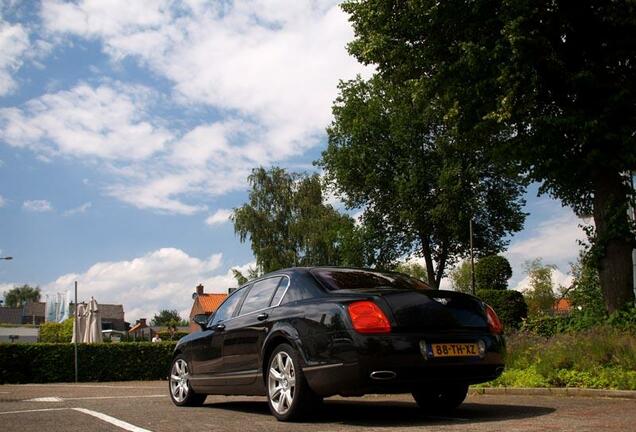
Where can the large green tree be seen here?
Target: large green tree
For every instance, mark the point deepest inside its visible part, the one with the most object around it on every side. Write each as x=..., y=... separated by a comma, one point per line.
x=492, y=272
x=417, y=180
x=549, y=84
x=18, y=296
x=288, y=224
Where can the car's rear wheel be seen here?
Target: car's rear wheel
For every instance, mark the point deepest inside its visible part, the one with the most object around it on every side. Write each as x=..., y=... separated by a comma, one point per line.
x=181, y=392
x=288, y=394
x=441, y=399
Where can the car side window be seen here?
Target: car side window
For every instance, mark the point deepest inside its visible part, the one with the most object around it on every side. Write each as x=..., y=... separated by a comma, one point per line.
x=226, y=310
x=280, y=292
x=260, y=295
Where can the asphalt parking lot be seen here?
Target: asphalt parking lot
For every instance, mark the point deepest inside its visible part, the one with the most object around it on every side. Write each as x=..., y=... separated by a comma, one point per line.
x=145, y=406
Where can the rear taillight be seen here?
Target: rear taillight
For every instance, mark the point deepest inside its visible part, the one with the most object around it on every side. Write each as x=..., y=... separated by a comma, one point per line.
x=367, y=317
x=494, y=323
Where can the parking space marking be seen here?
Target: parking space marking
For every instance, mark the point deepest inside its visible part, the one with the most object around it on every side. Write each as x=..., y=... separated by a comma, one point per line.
x=112, y=420
x=62, y=399
x=45, y=399
x=108, y=419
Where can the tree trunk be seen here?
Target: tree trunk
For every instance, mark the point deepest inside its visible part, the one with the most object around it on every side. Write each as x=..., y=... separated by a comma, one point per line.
x=614, y=241
x=428, y=261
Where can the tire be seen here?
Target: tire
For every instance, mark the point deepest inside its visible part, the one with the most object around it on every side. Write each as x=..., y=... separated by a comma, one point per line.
x=288, y=395
x=181, y=392
x=441, y=400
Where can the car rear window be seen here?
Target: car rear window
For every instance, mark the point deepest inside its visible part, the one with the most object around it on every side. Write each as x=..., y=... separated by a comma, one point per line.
x=352, y=279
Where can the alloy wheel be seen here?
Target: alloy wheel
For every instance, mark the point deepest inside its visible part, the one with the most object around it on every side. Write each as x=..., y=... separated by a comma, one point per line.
x=179, y=380
x=281, y=382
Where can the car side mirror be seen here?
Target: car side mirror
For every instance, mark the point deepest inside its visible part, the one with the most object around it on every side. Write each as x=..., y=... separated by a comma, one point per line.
x=202, y=320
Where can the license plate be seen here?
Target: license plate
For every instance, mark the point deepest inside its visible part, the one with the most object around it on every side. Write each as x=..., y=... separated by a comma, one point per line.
x=454, y=350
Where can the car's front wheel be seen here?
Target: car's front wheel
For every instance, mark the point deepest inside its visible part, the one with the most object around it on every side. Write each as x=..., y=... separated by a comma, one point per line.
x=441, y=399
x=288, y=394
x=181, y=392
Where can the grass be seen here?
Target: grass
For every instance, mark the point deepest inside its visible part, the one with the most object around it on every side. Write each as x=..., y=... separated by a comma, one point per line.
x=601, y=358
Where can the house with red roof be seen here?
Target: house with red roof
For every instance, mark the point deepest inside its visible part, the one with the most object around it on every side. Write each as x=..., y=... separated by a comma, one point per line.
x=204, y=303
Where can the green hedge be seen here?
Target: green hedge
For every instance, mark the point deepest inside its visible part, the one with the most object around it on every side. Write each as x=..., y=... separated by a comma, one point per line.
x=43, y=362
x=509, y=305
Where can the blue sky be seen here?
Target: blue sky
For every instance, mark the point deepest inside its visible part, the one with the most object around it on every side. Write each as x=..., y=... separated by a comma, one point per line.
x=127, y=129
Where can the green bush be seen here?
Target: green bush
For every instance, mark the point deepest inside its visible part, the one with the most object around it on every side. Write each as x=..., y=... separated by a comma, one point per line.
x=509, y=305
x=42, y=362
x=577, y=321
x=52, y=332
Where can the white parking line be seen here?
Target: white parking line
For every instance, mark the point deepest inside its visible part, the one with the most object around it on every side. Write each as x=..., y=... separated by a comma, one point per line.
x=112, y=420
x=108, y=419
x=62, y=399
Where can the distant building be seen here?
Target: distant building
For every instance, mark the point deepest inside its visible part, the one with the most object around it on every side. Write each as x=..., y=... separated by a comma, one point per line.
x=562, y=306
x=34, y=313
x=204, y=304
x=141, y=330
x=112, y=316
x=11, y=315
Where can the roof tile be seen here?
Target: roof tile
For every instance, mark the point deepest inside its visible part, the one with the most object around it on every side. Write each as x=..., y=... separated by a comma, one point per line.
x=211, y=302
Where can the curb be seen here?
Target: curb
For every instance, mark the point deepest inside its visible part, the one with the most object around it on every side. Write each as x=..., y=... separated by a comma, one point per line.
x=555, y=391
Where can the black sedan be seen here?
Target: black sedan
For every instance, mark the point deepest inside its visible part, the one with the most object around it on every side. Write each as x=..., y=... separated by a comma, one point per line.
x=302, y=334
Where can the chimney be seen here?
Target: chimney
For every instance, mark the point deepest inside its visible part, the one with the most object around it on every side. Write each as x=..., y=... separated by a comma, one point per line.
x=199, y=289
x=142, y=321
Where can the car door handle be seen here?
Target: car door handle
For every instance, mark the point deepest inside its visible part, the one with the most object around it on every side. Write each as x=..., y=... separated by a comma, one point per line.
x=262, y=317
x=220, y=327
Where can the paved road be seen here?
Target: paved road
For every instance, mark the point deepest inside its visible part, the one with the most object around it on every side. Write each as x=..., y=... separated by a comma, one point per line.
x=139, y=406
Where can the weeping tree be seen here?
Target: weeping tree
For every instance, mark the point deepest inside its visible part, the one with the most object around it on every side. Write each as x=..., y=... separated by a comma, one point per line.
x=419, y=181
x=548, y=84
x=288, y=223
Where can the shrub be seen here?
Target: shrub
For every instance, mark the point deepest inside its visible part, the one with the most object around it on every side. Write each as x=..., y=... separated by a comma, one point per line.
x=52, y=332
x=509, y=305
x=492, y=272
x=42, y=362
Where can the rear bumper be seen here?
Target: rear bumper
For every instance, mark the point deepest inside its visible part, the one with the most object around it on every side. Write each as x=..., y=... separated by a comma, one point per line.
x=402, y=365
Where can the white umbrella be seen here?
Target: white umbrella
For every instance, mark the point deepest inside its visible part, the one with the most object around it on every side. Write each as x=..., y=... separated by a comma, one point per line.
x=81, y=323
x=93, y=330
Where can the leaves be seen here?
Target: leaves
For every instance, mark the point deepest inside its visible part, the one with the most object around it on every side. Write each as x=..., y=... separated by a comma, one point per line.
x=419, y=181
x=288, y=224
x=18, y=296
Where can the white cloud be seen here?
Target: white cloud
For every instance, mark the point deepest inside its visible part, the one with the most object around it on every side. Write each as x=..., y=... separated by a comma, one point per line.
x=162, y=279
x=269, y=68
x=14, y=42
x=39, y=206
x=2, y=201
x=108, y=121
x=554, y=239
x=77, y=210
x=221, y=216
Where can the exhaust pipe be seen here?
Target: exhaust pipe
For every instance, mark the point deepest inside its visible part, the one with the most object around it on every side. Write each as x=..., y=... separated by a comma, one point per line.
x=382, y=375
